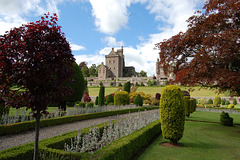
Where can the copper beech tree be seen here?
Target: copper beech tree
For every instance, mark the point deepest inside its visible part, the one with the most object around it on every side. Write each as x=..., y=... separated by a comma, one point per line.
x=208, y=53
x=37, y=58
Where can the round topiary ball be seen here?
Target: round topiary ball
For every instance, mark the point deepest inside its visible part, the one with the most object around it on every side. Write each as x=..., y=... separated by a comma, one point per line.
x=121, y=98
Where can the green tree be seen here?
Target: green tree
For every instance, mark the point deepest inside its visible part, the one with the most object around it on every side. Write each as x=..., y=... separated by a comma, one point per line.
x=110, y=99
x=234, y=101
x=127, y=86
x=172, y=113
x=77, y=86
x=143, y=73
x=217, y=101
x=93, y=71
x=101, y=97
x=121, y=98
x=138, y=100
x=96, y=101
x=85, y=71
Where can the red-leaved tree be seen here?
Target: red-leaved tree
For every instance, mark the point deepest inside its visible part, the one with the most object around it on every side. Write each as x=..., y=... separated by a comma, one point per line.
x=37, y=58
x=208, y=53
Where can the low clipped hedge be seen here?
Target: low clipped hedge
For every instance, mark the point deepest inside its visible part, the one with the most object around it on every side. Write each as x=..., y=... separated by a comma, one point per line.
x=52, y=148
x=30, y=125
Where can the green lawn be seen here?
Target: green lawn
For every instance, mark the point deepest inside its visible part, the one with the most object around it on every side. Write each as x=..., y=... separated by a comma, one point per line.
x=201, y=140
x=196, y=93
x=94, y=91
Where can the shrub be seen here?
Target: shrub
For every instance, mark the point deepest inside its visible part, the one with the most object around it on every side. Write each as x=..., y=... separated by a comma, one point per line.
x=146, y=102
x=225, y=119
x=90, y=104
x=217, y=101
x=82, y=104
x=111, y=103
x=187, y=105
x=234, y=101
x=142, y=84
x=172, y=113
x=193, y=105
x=144, y=96
x=223, y=101
x=110, y=99
x=70, y=104
x=202, y=101
x=96, y=101
x=155, y=102
x=210, y=101
x=121, y=98
x=231, y=106
x=136, y=84
x=138, y=100
x=127, y=87
x=154, y=83
x=111, y=84
x=119, y=84
x=149, y=83
x=101, y=97
x=227, y=102
x=157, y=96
x=100, y=83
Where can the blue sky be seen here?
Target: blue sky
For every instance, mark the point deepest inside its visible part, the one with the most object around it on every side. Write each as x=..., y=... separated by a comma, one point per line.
x=93, y=27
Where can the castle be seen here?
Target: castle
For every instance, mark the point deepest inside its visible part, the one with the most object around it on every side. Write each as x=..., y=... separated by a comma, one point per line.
x=160, y=73
x=115, y=66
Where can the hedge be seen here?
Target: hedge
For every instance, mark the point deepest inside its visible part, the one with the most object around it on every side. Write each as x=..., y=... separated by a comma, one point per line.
x=30, y=125
x=123, y=148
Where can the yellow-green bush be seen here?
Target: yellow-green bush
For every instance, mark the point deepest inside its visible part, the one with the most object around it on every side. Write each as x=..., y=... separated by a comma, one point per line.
x=121, y=98
x=144, y=96
x=192, y=105
x=187, y=105
x=172, y=113
x=231, y=106
x=217, y=101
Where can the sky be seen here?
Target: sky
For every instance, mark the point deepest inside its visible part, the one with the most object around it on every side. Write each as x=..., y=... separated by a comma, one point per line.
x=94, y=27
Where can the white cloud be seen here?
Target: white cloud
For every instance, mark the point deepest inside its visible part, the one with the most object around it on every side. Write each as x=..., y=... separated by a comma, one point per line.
x=90, y=59
x=110, y=15
x=13, y=13
x=112, y=42
x=75, y=47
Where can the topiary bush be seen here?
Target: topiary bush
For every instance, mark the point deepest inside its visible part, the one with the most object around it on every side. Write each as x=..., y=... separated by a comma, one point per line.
x=90, y=104
x=217, y=101
x=202, y=101
x=142, y=84
x=210, y=101
x=234, y=101
x=172, y=113
x=231, y=106
x=225, y=120
x=101, y=97
x=227, y=102
x=157, y=96
x=121, y=98
x=136, y=84
x=96, y=101
x=110, y=99
x=127, y=87
x=193, y=105
x=82, y=104
x=119, y=84
x=138, y=100
x=187, y=105
x=223, y=101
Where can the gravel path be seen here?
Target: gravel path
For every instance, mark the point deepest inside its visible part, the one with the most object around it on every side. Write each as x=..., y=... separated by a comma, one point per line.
x=48, y=132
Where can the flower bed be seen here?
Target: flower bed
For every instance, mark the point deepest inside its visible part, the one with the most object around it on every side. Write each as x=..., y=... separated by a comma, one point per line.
x=30, y=125
x=53, y=148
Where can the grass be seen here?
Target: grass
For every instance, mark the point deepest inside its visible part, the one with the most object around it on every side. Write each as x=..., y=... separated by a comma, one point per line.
x=198, y=92
x=201, y=141
x=94, y=91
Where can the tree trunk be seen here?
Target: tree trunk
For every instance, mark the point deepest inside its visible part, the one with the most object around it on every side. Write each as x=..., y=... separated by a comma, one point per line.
x=35, y=156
